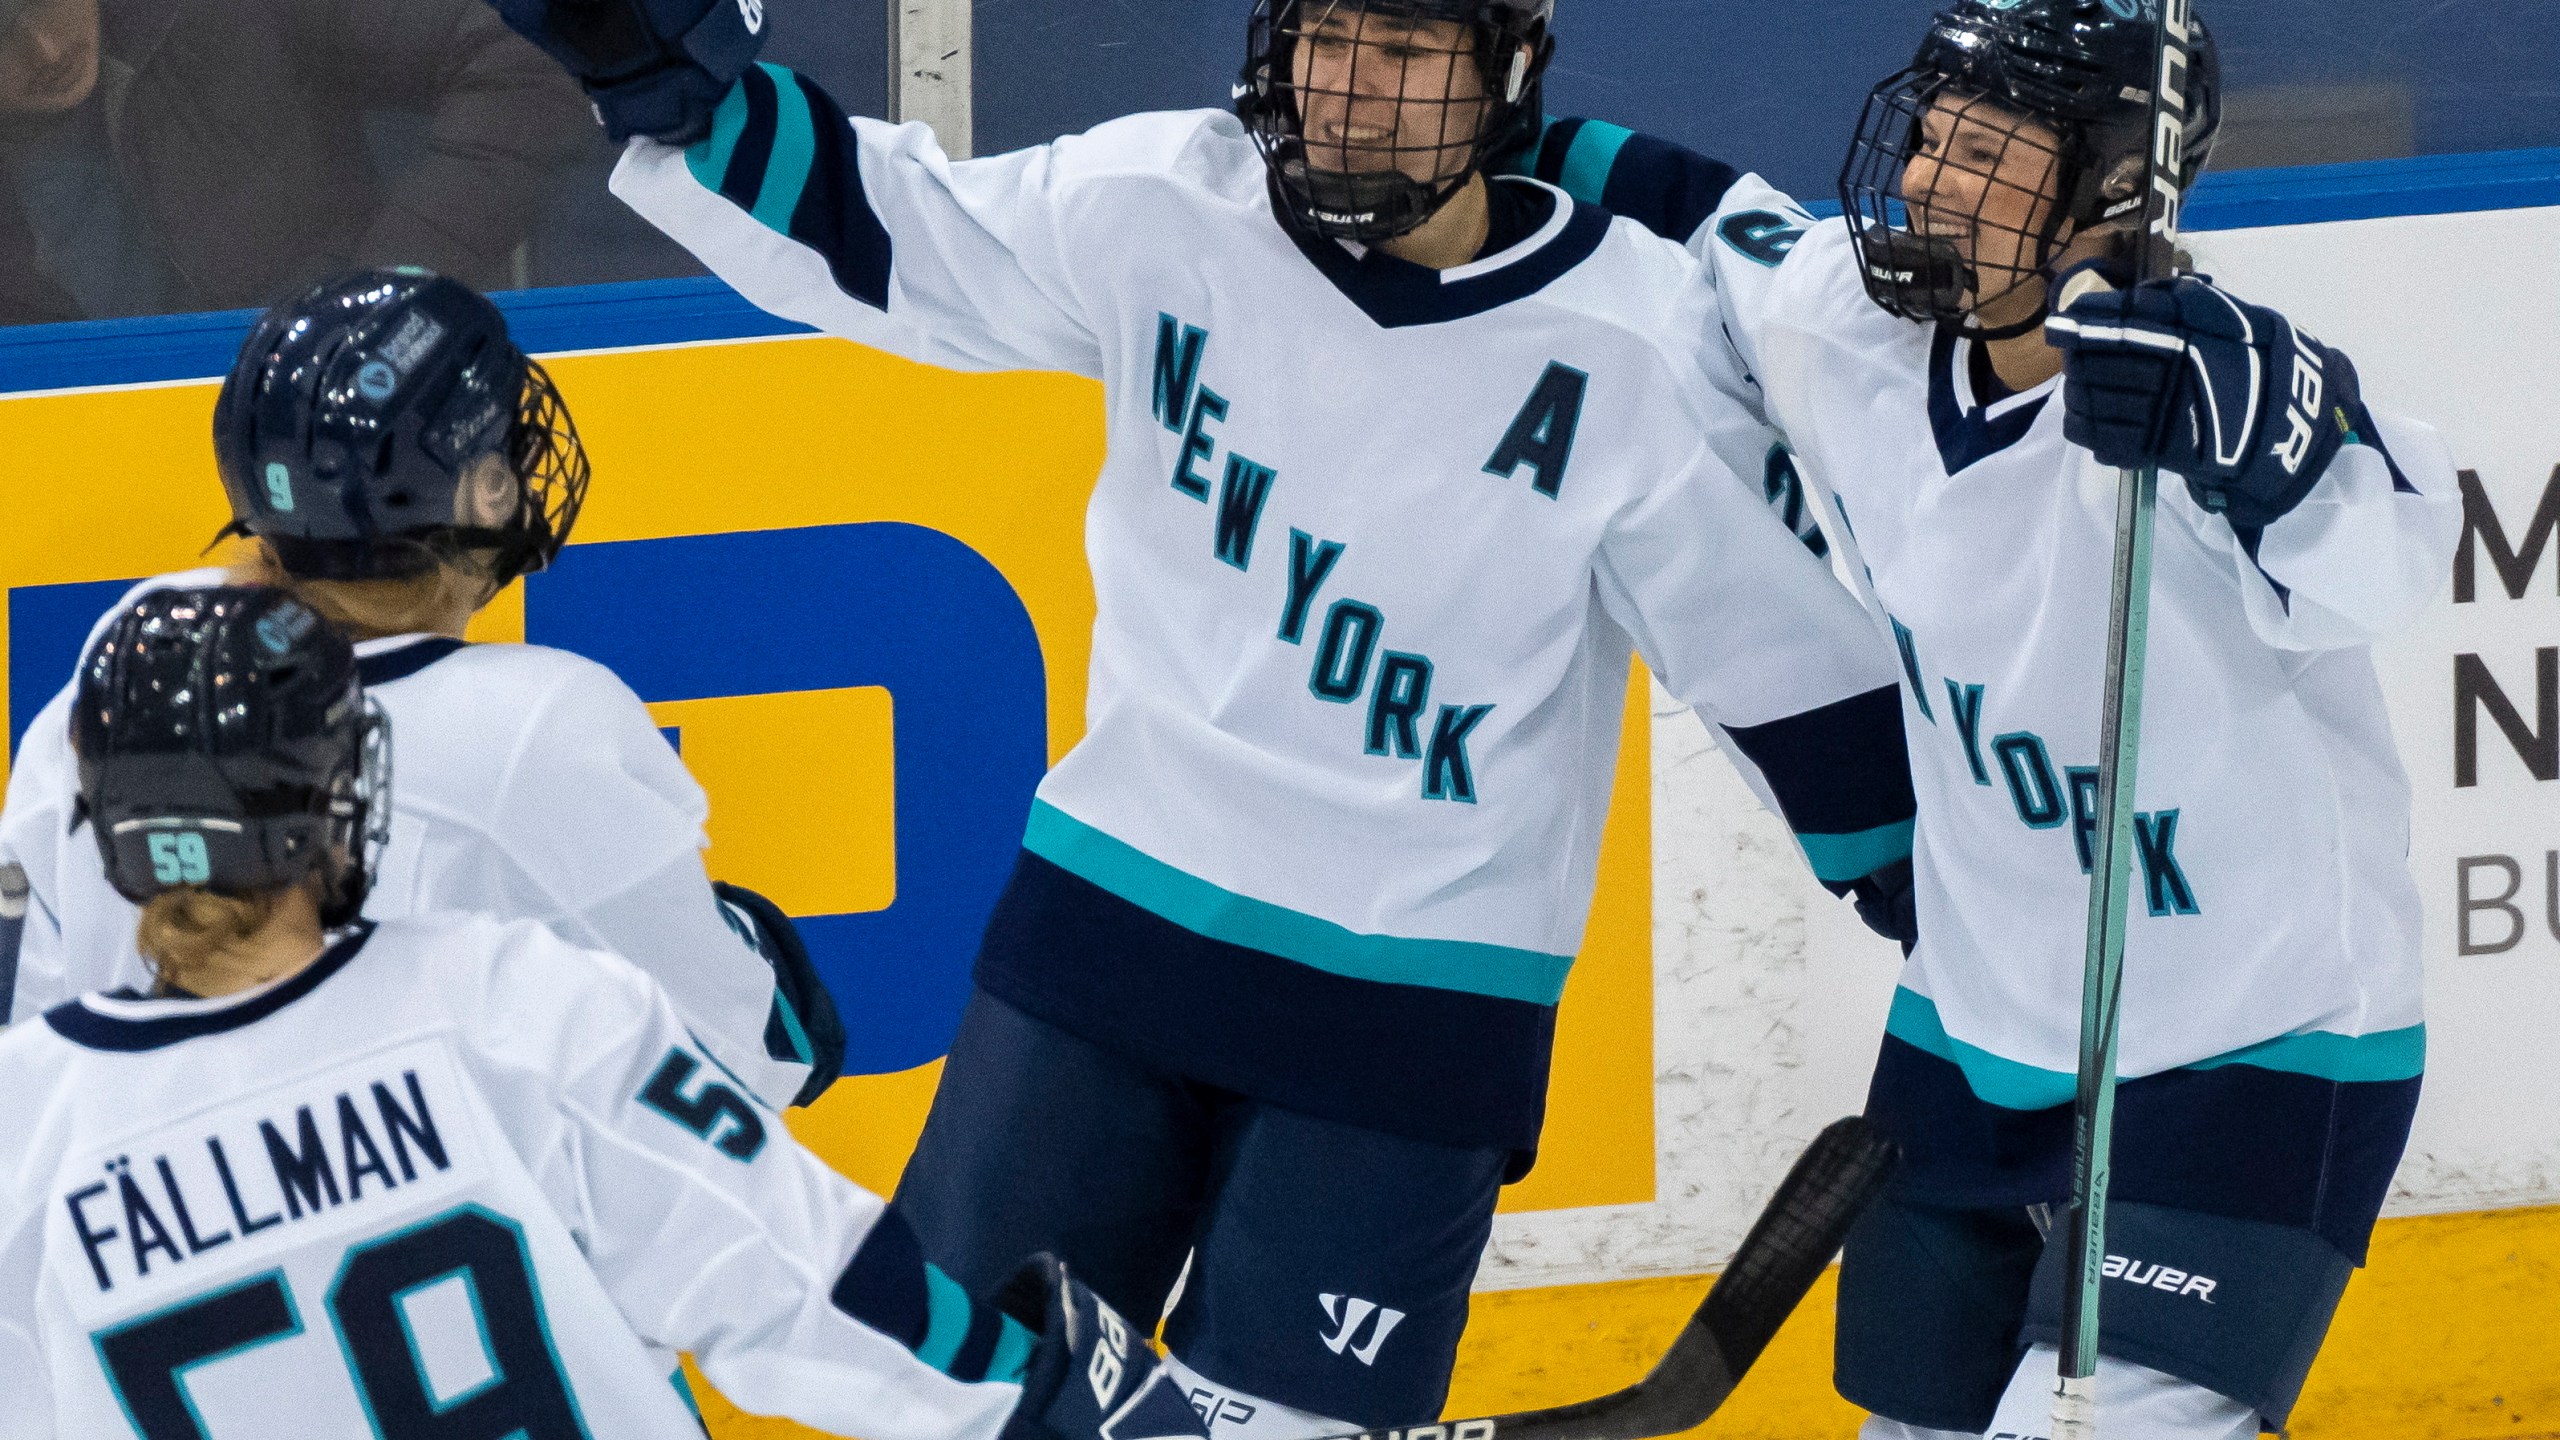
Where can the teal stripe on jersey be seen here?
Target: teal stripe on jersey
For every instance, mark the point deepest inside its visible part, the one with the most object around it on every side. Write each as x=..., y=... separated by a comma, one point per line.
x=1587, y=164
x=801, y=1049
x=2386, y=1056
x=1205, y=909
x=2382, y=1056
x=2005, y=1083
x=795, y=149
x=1848, y=857
x=947, y=1314
x=708, y=157
x=1013, y=1353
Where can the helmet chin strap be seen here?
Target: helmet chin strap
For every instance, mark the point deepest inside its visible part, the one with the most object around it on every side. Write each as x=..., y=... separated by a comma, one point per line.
x=2054, y=245
x=2010, y=331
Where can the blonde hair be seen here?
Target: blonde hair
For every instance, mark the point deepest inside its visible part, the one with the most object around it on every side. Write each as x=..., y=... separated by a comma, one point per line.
x=371, y=609
x=183, y=933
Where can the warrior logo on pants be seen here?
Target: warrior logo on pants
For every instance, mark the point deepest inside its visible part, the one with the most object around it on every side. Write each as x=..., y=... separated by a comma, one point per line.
x=1347, y=1313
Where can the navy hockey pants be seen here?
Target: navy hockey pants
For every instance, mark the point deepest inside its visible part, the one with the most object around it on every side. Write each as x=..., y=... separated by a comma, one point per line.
x=1330, y=1265
x=2241, y=1200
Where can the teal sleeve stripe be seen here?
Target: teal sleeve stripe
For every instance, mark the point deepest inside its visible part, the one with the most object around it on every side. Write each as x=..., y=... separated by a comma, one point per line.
x=947, y=1324
x=1594, y=154
x=1205, y=909
x=2005, y=1083
x=801, y=1049
x=2388, y=1055
x=1847, y=857
x=795, y=149
x=708, y=157
x=684, y=1391
x=1013, y=1353
x=2383, y=1056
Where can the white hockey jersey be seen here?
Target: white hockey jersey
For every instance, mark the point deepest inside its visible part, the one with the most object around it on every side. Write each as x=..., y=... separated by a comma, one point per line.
x=526, y=782
x=1370, y=550
x=456, y=1176
x=2274, y=918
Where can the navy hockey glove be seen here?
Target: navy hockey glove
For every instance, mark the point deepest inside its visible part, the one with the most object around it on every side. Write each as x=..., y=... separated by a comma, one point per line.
x=1091, y=1376
x=653, y=67
x=804, y=1025
x=1883, y=899
x=2231, y=396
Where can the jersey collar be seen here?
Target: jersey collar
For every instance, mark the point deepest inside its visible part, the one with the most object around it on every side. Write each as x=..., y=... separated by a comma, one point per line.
x=1397, y=293
x=397, y=657
x=126, y=1022
x=1966, y=430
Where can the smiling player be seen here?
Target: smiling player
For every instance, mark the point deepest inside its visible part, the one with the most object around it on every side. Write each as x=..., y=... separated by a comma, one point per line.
x=1404, y=462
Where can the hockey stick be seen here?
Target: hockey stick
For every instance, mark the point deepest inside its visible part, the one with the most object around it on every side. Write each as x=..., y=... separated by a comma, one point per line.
x=2093, y=1110
x=1787, y=1249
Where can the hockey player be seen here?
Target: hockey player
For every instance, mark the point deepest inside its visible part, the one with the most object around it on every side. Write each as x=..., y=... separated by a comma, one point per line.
x=437, y=1175
x=393, y=458
x=1965, y=438
x=1402, y=465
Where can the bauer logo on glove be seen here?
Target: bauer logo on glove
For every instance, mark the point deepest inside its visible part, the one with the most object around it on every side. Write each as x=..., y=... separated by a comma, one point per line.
x=2231, y=396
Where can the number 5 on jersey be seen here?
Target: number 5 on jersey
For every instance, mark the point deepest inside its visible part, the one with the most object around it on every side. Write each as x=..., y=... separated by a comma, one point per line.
x=702, y=1111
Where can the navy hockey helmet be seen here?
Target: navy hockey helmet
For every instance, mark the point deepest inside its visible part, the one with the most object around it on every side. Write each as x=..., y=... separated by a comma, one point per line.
x=225, y=743
x=385, y=422
x=2047, y=99
x=1368, y=123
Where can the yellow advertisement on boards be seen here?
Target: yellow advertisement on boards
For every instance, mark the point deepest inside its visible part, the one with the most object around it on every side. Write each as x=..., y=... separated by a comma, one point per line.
x=854, y=590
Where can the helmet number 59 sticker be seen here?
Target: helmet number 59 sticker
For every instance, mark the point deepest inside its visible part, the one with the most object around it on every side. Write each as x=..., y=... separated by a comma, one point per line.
x=180, y=859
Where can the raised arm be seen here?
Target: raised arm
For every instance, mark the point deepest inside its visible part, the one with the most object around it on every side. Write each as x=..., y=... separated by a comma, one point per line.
x=858, y=228
x=867, y=230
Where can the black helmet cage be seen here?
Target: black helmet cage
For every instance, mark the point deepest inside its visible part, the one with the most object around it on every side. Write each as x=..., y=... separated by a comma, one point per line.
x=225, y=744
x=1368, y=190
x=2078, y=70
x=551, y=471
x=353, y=432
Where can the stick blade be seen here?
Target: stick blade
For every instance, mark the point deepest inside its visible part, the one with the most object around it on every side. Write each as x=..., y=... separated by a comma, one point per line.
x=1803, y=1226
x=1795, y=1238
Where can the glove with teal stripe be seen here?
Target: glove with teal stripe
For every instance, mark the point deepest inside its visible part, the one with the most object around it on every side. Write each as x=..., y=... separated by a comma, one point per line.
x=653, y=67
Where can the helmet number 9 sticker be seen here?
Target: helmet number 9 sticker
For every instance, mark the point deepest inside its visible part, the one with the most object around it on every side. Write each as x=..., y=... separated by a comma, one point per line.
x=180, y=859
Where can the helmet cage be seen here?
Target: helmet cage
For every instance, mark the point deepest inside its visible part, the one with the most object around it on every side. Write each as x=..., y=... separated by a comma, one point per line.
x=362, y=428
x=1909, y=246
x=549, y=464
x=2078, y=70
x=551, y=471
x=1368, y=188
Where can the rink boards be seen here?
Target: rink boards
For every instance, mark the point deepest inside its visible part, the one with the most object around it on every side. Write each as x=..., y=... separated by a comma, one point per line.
x=854, y=591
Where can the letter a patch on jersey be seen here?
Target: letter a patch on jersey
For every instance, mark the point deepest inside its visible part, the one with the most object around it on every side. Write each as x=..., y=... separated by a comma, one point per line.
x=1541, y=435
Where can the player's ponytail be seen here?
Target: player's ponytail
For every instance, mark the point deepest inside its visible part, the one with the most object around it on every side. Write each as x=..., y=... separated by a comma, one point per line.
x=369, y=609
x=186, y=933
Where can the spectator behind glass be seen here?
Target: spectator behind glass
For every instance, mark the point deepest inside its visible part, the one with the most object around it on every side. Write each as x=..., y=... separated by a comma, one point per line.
x=170, y=155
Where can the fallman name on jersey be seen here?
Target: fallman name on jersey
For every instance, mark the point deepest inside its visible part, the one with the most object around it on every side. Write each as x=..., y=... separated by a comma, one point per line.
x=349, y=1148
